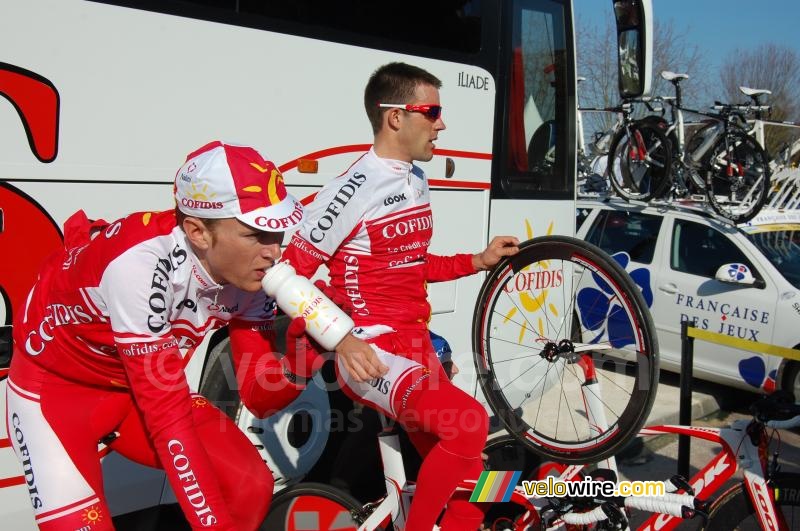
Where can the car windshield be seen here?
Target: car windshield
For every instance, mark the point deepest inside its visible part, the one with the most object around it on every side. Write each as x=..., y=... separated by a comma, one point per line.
x=780, y=244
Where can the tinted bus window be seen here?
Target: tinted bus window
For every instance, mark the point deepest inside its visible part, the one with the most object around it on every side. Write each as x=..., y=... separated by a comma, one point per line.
x=539, y=118
x=444, y=24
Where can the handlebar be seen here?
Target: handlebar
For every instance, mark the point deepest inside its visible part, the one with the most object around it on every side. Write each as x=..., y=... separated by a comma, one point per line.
x=746, y=108
x=793, y=422
x=779, y=407
x=680, y=505
x=592, y=510
x=777, y=410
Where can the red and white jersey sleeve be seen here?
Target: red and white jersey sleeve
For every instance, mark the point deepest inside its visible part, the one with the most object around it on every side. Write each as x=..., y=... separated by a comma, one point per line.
x=372, y=226
x=122, y=310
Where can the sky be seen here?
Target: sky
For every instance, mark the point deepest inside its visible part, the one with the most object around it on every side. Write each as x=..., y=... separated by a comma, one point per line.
x=719, y=26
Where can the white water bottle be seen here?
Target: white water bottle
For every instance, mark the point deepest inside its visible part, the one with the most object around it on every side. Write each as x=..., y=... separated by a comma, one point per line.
x=298, y=297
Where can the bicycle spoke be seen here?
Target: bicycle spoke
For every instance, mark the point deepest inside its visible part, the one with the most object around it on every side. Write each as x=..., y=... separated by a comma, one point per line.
x=540, y=339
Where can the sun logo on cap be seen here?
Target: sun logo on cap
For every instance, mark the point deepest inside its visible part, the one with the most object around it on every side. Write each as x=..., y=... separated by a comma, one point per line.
x=92, y=515
x=201, y=194
x=275, y=185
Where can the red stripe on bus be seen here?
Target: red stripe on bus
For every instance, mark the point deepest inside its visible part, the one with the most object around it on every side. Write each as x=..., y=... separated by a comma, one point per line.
x=353, y=148
x=357, y=148
x=458, y=184
x=11, y=482
x=5, y=443
x=463, y=154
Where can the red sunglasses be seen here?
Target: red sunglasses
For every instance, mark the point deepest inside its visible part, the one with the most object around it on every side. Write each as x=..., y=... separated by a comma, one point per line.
x=430, y=111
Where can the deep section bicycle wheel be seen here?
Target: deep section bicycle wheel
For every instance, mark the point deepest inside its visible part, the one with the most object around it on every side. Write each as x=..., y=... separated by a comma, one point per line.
x=735, y=510
x=639, y=161
x=737, y=177
x=313, y=507
x=565, y=349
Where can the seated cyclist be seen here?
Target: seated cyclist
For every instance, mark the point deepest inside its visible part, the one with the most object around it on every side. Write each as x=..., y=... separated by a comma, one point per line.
x=100, y=348
x=377, y=254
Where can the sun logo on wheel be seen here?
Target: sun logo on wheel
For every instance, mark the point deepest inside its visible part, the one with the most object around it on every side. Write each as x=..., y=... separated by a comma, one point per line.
x=92, y=515
x=602, y=313
x=524, y=284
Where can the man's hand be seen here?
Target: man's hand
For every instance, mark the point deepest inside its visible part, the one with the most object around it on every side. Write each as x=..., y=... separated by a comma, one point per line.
x=337, y=298
x=499, y=247
x=302, y=359
x=359, y=359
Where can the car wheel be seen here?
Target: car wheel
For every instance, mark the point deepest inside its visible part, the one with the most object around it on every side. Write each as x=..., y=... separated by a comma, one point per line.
x=791, y=379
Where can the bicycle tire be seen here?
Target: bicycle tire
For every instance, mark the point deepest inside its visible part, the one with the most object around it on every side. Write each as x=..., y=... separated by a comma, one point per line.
x=640, y=175
x=506, y=453
x=313, y=507
x=737, y=198
x=599, y=304
x=734, y=509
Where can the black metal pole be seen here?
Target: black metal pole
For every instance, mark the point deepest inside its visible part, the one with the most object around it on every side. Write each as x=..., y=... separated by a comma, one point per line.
x=685, y=400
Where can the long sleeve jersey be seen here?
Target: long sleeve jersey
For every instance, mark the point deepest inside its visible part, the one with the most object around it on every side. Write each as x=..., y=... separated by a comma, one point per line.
x=372, y=226
x=122, y=306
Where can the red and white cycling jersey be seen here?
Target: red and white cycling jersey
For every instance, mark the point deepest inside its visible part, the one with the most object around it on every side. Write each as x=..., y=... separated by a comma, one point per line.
x=121, y=308
x=145, y=291
x=373, y=220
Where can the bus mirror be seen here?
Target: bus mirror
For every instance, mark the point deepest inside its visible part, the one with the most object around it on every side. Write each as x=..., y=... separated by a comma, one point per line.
x=634, y=46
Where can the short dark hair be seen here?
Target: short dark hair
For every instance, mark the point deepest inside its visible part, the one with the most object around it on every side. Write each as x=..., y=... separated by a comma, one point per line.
x=393, y=83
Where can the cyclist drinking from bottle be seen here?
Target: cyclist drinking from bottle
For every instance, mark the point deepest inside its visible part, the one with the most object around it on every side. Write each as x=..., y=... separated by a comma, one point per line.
x=100, y=348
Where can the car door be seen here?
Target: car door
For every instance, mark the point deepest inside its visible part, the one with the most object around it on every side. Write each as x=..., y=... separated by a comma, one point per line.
x=687, y=290
x=630, y=235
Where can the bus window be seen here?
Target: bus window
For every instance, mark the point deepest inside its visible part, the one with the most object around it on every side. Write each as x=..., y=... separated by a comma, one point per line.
x=538, y=121
x=444, y=24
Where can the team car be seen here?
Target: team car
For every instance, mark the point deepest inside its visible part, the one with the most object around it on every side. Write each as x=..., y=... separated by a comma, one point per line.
x=741, y=281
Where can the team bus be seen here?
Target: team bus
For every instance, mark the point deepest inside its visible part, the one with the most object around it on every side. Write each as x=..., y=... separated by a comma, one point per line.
x=102, y=100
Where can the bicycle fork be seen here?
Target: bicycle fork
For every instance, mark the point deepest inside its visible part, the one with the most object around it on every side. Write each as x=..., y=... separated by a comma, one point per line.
x=638, y=151
x=593, y=402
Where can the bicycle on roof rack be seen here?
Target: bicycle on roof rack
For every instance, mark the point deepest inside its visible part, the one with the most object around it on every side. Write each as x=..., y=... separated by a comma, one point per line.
x=721, y=160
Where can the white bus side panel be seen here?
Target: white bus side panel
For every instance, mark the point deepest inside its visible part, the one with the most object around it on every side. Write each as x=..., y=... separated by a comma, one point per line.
x=139, y=90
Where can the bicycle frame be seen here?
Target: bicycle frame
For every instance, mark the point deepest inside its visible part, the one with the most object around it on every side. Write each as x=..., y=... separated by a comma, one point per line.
x=582, y=149
x=399, y=490
x=738, y=451
x=678, y=125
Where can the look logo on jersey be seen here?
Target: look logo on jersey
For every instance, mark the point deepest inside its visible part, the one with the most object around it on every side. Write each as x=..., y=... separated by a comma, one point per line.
x=222, y=180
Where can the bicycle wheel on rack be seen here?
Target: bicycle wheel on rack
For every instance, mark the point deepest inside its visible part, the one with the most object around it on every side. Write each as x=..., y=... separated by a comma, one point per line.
x=737, y=177
x=313, y=507
x=639, y=161
x=735, y=510
x=554, y=325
